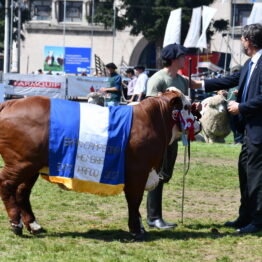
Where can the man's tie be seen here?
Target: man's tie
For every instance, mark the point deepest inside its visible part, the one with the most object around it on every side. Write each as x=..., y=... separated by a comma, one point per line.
x=244, y=94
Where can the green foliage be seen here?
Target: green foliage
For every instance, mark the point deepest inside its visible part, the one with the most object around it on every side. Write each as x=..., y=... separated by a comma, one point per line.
x=104, y=13
x=150, y=17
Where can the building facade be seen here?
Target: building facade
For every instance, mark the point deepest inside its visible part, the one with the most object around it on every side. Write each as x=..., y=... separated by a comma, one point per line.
x=237, y=13
x=48, y=27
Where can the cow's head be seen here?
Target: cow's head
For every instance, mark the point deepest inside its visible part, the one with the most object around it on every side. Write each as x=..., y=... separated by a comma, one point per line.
x=184, y=121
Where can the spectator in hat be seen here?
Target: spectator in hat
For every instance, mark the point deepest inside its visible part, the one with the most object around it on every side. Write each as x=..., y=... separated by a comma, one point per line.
x=113, y=92
x=173, y=57
x=140, y=86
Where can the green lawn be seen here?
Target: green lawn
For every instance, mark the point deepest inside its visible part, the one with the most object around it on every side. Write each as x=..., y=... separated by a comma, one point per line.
x=83, y=227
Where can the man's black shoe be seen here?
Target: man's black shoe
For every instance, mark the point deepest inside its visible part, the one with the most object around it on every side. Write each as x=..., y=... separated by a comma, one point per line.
x=160, y=224
x=236, y=223
x=249, y=229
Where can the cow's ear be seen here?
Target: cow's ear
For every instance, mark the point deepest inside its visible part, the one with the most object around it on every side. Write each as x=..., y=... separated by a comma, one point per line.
x=176, y=103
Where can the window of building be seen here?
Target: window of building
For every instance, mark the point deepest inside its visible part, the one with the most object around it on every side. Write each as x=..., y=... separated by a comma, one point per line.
x=41, y=10
x=241, y=12
x=73, y=11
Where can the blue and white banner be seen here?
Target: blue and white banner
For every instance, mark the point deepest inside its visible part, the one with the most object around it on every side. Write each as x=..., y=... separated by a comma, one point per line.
x=87, y=146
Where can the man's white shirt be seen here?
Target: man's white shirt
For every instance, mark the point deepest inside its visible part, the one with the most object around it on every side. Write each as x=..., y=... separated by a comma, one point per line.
x=140, y=86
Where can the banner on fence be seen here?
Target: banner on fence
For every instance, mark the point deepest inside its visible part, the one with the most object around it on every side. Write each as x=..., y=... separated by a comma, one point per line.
x=82, y=85
x=33, y=85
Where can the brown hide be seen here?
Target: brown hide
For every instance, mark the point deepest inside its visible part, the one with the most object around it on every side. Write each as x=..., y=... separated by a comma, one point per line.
x=24, y=130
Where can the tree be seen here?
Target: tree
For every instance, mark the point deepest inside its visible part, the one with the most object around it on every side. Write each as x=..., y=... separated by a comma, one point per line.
x=150, y=17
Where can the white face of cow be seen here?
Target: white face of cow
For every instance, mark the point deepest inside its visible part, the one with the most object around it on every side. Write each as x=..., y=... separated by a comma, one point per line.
x=187, y=121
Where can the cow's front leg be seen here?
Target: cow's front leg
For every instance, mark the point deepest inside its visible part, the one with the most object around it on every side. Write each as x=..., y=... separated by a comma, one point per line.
x=136, y=227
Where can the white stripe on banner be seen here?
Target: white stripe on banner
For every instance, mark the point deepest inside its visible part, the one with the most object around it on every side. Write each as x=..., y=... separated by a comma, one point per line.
x=256, y=14
x=93, y=136
x=208, y=13
x=173, y=28
x=194, y=29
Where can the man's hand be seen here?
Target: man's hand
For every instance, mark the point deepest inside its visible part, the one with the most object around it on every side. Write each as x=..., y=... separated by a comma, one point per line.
x=195, y=84
x=233, y=107
x=103, y=89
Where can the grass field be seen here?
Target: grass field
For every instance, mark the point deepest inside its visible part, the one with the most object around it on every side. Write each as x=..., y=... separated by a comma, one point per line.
x=83, y=227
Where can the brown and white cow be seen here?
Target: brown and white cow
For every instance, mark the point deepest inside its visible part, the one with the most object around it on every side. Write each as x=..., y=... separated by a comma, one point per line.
x=24, y=136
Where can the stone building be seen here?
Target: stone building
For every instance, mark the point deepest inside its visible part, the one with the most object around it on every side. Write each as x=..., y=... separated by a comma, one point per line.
x=47, y=28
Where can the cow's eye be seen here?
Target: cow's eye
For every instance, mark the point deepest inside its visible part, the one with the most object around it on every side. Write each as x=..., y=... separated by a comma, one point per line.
x=186, y=107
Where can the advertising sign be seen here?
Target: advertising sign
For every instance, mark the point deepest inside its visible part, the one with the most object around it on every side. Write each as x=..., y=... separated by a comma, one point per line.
x=32, y=85
x=54, y=59
x=77, y=60
x=70, y=60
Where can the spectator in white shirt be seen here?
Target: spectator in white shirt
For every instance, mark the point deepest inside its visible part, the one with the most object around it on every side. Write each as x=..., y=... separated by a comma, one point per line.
x=140, y=86
x=131, y=83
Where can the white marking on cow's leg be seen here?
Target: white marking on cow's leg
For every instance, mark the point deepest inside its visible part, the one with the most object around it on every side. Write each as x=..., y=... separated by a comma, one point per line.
x=34, y=226
x=17, y=228
x=152, y=181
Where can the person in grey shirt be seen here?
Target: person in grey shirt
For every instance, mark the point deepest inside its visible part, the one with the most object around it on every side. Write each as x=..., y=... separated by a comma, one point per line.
x=173, y=57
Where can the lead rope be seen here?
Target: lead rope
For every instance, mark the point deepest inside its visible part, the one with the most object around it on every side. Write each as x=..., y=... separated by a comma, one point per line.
x=186, y=143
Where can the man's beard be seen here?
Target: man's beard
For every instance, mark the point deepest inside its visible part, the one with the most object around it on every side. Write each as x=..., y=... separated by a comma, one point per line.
x=244, y=50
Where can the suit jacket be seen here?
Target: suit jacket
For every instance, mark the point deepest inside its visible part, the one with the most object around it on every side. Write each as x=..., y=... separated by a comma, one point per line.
x=251, y=110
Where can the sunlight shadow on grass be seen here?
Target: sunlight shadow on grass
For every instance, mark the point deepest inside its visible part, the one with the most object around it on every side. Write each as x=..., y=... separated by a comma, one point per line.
x=124, y=236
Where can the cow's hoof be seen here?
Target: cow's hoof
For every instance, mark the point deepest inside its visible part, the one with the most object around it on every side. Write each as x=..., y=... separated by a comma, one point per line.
x=37, y=232
x=139, y=237
x=35, y=228
x=17, y=230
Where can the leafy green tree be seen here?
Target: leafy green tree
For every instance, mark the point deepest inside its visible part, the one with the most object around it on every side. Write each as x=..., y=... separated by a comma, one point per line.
x=150, y=17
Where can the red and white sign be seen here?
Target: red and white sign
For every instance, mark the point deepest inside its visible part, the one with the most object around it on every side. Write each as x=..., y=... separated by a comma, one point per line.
x=32, y=85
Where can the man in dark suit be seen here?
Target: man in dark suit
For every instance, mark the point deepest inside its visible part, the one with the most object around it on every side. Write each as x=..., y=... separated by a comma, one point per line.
x=248, y=108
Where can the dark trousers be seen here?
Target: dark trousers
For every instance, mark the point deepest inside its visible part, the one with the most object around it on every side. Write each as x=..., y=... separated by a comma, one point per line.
x=238, y=137
x=154, y=197
x=250, y=179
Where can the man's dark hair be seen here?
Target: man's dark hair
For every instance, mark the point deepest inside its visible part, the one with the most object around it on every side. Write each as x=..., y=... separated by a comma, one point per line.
x=166, y=62
x=253, y=33
x=130, y=71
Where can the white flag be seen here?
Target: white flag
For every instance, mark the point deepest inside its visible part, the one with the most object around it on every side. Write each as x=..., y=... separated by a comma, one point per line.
x=173, y=28
x=194, y=29
x=208, y=13
x=256, y=14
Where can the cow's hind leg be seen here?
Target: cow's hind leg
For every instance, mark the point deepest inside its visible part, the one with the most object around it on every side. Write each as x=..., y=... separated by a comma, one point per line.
x=8, y=189
x=134, y=198
x=23, y=200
